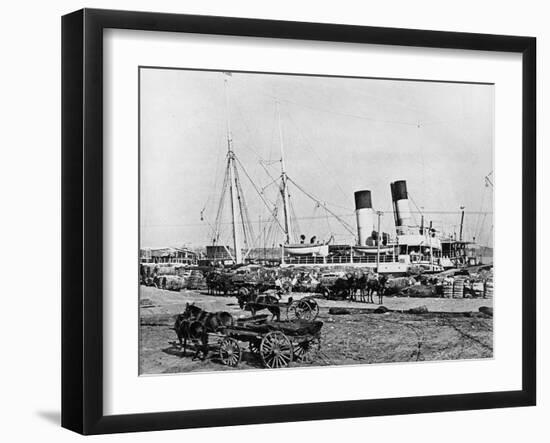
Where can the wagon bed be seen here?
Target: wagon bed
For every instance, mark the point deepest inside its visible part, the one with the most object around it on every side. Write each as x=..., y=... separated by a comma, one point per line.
x=260, y=325
x=276, y=342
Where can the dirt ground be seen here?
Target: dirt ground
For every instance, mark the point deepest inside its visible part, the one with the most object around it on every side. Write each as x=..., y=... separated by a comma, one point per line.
x=452, y=329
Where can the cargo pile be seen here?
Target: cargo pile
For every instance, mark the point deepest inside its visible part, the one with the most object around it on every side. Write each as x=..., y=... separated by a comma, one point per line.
x=196, y=280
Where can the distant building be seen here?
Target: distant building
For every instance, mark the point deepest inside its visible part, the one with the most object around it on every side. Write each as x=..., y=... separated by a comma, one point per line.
x=168, y=255
x=219, y=252
x=224, y=255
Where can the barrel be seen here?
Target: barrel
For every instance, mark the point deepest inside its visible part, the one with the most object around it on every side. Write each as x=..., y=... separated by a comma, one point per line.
x=458, y=288
x=488, y=289
x=448, y=290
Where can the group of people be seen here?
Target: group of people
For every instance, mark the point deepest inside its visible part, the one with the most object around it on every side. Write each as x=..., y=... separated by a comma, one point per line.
x=312, y=240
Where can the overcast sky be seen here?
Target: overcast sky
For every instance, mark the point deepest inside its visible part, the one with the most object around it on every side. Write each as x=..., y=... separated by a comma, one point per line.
x=340, y=135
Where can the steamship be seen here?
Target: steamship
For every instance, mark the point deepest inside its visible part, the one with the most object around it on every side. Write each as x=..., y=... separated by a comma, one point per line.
x=411, y=246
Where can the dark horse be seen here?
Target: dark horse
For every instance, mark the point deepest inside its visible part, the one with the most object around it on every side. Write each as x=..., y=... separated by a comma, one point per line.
x=218, y=283
x=195, y=324
x=341, y=289
x=249, y=301
x=357, y=284
x=377, y=285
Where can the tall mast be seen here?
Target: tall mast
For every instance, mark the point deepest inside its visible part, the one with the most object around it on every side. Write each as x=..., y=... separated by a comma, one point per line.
x=461, y=222
x=379, y=213
x=232, y=184
x=284, y=182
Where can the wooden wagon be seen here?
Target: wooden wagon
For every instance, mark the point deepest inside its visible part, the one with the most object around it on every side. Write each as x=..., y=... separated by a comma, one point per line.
x=303, y=309
x=277, y=343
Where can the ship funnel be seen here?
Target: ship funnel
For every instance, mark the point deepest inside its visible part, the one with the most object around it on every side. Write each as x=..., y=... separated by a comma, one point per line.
x=364, y=215
x=401, y=208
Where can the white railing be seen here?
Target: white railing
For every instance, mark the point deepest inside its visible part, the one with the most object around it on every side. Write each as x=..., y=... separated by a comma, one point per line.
x=310, y=260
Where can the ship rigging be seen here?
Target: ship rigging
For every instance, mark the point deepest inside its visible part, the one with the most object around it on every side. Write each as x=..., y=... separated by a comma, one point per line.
x=412, y=243
x=243, y=234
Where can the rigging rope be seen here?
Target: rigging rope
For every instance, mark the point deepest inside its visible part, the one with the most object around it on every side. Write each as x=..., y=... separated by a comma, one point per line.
x=342, y=222
x=257, y=190
x=310, y=147
x=417, y=208
x=245, y=216
x=240, y=200
x=345, y=114
x=294, y=220
x=217, y=223
x=328, y=222
x=272, y=233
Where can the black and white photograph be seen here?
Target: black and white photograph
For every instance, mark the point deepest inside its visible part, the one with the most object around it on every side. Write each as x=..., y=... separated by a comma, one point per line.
x=275, y=222
x=298, y=221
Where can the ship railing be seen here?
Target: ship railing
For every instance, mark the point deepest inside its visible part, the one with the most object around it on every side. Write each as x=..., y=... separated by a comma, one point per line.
x=336, y=260
x=423, y=259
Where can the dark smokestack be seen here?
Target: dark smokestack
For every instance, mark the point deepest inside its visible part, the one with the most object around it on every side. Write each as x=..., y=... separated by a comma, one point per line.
x=363, y=200
x=401, y=209
x=399, y=190
x=364, y=216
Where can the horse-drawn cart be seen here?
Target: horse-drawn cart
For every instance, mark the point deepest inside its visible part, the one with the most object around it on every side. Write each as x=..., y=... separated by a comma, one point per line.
x=305, y=308
x=276, y=342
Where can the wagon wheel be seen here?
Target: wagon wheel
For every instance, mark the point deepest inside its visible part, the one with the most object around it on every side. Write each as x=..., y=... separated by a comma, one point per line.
x=304, y=309
x=307, y=350
x=230, y=352
x=276, y=350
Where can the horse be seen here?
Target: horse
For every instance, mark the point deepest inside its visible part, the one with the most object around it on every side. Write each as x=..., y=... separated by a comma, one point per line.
x=360, y=285
x=341, y=289
x=218, y=284
x=213, y=321
x=350, y=286
x=195, y=324
x=211, y=282
x=378, y=285
x=248, y=300
x=181, y=326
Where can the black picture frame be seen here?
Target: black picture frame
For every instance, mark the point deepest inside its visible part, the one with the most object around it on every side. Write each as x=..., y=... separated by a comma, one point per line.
x=82, y=220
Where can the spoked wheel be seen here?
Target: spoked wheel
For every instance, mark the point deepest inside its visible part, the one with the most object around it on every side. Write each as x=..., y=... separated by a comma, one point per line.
x=230, y=352
x=307, y=350
x=276, y=350
x=305, y=309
